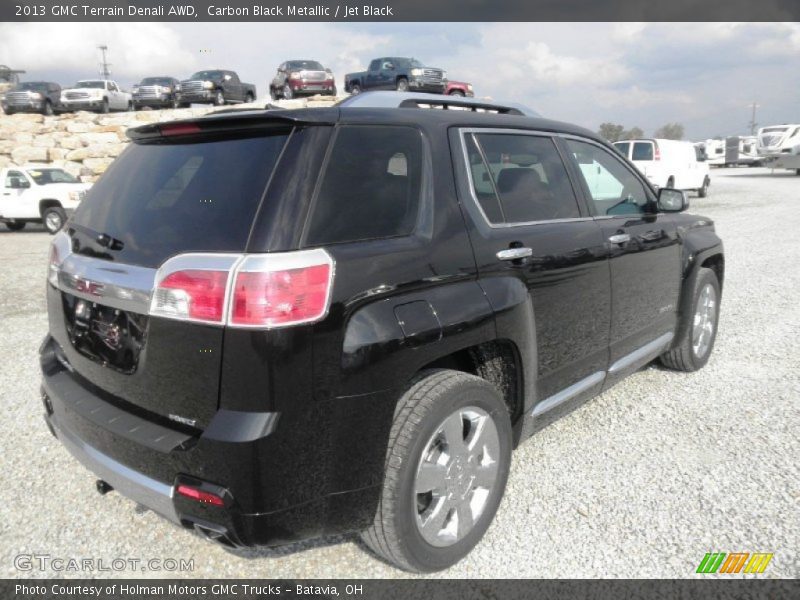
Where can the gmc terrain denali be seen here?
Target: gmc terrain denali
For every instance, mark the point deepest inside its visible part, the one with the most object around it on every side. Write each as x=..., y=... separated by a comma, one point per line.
x=269, y=325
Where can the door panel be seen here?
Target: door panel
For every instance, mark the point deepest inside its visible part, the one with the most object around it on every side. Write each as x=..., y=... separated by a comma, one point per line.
x=562, y=258
x=644, y=251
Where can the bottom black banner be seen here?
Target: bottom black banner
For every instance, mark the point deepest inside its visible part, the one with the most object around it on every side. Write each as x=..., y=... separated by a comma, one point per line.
x=368, y=589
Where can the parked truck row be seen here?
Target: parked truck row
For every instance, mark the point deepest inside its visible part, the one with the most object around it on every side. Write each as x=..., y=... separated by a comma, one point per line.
x=293, y=78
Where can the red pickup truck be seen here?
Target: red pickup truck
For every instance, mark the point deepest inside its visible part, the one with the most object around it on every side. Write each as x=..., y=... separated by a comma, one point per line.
x=459, y=88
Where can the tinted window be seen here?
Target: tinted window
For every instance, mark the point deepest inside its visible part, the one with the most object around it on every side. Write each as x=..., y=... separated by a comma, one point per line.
x=642, y=151
x=623, y=148
x=165, y=199
x=612, y=187
x=371, y=186
x=308, y=65
x=375, y=65
x=520, y=178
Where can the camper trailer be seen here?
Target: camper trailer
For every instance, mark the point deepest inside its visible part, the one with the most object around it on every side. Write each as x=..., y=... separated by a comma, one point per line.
x=779, y=146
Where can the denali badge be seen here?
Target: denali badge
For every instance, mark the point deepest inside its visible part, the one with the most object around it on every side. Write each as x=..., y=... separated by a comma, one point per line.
x=184, y=420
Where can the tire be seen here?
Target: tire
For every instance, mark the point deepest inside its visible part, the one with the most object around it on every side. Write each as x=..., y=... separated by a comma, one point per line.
x=418, y=437
x=15, y=225
x=130, y=106
x=355, y=89
x=104, y=106
x=273, y=94
x=53, y=219
x=47, y=109
x=402, y=84
x=287, y=93
x=703, y=191
x=175, y=103
x=249, y=98
x=670, y=182
x=456, y=93
x=689, y=355
x=333, y=91
x=219, y=98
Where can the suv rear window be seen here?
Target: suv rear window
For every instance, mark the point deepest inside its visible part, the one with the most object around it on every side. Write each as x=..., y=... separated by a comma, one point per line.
x=164, y=199
x=371, y=186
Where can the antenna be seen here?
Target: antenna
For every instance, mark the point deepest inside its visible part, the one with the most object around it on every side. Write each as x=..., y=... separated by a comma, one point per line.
x=753, y=124
x=105, y=73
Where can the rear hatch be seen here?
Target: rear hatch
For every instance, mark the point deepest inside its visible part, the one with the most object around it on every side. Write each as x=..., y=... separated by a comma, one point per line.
x=163, y=197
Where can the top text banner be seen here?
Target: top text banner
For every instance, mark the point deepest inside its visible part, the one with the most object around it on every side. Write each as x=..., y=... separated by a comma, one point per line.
x=399, y=10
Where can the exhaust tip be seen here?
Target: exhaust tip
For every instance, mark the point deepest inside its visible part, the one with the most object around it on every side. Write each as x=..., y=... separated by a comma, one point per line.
x=103, y=487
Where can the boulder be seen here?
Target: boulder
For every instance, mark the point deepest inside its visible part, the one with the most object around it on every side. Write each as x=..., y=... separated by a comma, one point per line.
x=98, y=166
x=26, y=154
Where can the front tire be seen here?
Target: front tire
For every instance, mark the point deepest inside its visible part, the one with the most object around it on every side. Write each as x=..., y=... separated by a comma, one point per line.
x=402, y=84
x=273, y=94
x=700, y=327
x=47, y=109
x=457, y=93
x=249, y=98
x=53, y=219
x=287, y=92
x=446, y=470
x=219, y=98
x=355, y=89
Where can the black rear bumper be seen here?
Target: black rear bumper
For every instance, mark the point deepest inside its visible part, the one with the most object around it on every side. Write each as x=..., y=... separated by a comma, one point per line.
x=273, y=500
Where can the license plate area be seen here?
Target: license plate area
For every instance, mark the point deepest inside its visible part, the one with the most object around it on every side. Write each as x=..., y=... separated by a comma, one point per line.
x=109, y=336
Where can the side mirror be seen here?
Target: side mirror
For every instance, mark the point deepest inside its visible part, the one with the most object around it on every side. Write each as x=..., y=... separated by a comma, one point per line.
x=671, y=200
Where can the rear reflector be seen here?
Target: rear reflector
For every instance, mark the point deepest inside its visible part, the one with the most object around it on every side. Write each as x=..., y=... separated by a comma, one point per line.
x=200, y=495
x=193, y=294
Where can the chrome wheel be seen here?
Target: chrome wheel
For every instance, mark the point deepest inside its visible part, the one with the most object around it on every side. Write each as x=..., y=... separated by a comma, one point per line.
x=53, y=221
x=456, y=475
x=704, y=317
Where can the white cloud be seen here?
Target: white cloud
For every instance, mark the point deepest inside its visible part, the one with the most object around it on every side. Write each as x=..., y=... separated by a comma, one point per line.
x=134, y=48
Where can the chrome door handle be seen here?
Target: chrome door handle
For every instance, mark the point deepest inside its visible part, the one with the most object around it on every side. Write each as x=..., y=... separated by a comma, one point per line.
x=620, y=238
x=514, y=253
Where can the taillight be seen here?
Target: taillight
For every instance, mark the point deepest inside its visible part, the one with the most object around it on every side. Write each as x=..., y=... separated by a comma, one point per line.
x=255, y=290
x=193, y=294
x=281, y=290
x=657, y=153
x=199, y=495
x=173, y=129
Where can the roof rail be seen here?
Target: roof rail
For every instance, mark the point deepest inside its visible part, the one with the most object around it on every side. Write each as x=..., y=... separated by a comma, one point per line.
x=389, y=99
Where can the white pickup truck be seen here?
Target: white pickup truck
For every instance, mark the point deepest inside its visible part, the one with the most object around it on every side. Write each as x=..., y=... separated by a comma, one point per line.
x=38, y=194
x=100, y=95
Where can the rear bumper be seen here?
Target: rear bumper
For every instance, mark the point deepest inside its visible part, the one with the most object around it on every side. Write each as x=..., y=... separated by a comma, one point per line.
x=281, y=484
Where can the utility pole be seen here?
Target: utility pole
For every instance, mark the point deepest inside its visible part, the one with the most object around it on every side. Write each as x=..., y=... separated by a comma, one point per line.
x=105, y=73
x=753, y=124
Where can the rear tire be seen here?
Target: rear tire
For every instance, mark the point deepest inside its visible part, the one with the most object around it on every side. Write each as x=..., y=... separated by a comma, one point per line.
x=355, y=89
x=425, y=531
x=700, y=332
x=15, y=225
x=249, y=98
x=703, y=191
x=53, y=219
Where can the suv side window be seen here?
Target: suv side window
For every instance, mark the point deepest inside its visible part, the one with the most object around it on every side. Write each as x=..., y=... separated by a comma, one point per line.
x=371, y=186
x=520, y=178
x=614, y=190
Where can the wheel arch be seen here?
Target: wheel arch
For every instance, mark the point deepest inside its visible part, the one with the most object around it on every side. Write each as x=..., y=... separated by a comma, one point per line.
x=46, y=203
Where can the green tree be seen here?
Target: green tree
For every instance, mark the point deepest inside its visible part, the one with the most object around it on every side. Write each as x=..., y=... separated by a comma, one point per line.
x=611, y=131
x=634, y=133
x=670, y=131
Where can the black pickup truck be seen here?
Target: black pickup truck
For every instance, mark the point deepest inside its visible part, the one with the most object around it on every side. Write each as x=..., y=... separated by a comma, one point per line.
x=397, y=73
x=42, y=97
x=217, y=87
x=292, y=323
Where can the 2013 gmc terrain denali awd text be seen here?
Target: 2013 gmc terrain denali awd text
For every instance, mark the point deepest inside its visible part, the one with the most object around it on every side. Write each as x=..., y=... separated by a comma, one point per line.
x=274, y=325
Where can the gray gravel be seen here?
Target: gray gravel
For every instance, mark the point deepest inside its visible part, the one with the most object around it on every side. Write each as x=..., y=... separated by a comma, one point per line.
x=640, y=482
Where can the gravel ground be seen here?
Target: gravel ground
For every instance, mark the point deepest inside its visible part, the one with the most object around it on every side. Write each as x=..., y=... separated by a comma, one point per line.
x=640, y=482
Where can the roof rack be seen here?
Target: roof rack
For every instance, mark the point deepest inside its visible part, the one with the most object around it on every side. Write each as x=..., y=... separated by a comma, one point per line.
x=389, y=99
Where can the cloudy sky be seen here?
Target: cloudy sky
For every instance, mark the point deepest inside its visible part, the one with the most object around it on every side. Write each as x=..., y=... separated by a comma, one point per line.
x=703, y=75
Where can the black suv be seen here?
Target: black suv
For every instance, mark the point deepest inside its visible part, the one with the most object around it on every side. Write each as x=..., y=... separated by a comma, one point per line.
x=269, y=325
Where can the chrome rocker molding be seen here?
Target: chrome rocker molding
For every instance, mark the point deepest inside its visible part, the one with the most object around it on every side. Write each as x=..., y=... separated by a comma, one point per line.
x=638, y=356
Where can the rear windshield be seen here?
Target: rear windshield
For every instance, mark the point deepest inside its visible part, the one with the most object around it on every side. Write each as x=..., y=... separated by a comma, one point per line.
x=642, y=151
x=160, y=200
x=308, y=65
x=623, y=148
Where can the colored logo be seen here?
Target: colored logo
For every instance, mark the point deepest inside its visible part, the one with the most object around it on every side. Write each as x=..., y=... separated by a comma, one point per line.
x=735, y=562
